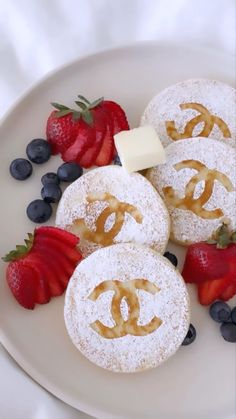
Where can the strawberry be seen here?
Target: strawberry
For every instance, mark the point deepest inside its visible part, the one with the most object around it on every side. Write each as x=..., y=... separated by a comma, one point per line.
x=85, y=136
x=212, y=266
x=42, y=267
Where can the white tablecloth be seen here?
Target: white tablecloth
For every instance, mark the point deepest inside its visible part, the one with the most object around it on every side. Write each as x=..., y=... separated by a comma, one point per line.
x=37, y=36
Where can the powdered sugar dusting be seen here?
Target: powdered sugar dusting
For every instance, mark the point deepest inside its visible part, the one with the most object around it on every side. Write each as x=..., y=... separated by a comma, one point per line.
x=186, y=226
x=129, y=353
x=217, y=97
x=133, y=189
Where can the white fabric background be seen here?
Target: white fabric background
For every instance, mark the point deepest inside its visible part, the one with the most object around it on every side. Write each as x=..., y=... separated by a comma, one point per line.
x=37, y=36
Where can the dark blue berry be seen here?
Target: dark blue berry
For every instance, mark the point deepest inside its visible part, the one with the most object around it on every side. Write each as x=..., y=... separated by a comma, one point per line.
x=172, y=258
x=191, y=335
x=51, y=192
x=233, y=315
x=228, y=331
x=50, y=178
x=21, y=169
x=220, y=311
x=117, y=160
x=38, y=151
x=68, y=172
x=39, y=211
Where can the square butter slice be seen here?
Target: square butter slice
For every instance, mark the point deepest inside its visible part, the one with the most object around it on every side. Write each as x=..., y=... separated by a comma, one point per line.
x=139, y=148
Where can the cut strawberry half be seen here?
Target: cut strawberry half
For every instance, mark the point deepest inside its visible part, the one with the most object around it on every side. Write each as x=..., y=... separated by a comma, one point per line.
x=71, y=254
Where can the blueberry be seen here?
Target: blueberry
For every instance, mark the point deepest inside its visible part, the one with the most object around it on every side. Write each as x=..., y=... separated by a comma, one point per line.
x=172, y=258
x=39, y=211
x=50, y=178
x=191, y=335
x=220, y=311
x=51, y=192
x=68, y=172
x=38, y=151
x=21, y=169
x=117, y=161
x=233, y=315
x=228, y=331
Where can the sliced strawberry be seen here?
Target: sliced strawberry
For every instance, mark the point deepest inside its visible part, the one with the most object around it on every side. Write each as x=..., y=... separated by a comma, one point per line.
x=58, y=233
x=118, y=116
x=84, y=140
x=48, y=269
x=22, y=282
x=71, y=254
x=43, y=275
x=211, y=290
x=62, y=267
x=105, y=155
x=99, y=125
x=42, y=267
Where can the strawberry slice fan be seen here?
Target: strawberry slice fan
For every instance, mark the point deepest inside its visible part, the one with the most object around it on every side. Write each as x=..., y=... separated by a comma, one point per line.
x=86, y=135
x=41, y=269
x=212, y=266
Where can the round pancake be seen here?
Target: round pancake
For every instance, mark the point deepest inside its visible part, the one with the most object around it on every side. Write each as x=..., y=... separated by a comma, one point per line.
x=198, y=185
x=107, y=206
x=127, y=308
x=193, y=108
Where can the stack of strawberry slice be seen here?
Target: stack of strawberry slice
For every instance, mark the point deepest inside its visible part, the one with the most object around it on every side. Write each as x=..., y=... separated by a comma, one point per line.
x=85, y=136
x=212, y=267
x=42, y=267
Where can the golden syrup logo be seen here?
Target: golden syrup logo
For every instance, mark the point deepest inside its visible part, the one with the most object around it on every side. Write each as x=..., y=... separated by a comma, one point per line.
x=196, y=204
x=99, y=235
x=126, y=290
x=204, y=117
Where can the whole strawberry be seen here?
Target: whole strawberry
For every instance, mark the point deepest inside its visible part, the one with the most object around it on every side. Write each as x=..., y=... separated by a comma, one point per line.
x=42, y=267
x=212, y=266
x=85, y=135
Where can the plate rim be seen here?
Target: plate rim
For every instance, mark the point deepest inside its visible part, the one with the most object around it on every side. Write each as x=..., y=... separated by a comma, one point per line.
x=21, y=361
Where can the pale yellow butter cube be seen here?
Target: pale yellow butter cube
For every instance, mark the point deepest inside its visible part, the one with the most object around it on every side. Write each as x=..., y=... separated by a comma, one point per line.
x=139, y=148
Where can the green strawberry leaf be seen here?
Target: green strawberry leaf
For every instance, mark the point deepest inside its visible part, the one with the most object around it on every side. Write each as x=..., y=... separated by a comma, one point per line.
x=81, y=105
x=64, y=112
x=84, y=99
x=58, y=106
x=96, y=103
x=21, y=250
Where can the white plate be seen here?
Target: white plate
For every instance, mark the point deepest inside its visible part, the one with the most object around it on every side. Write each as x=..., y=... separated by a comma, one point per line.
x=199, y=381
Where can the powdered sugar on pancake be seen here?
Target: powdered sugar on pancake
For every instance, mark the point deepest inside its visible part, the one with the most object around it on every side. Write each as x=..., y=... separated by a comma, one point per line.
x=186, y=226
x=132, y=189
x=219, y=98
x=128, y=353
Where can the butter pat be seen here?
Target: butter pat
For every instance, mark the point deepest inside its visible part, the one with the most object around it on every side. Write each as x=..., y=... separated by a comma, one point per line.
x=139, y=148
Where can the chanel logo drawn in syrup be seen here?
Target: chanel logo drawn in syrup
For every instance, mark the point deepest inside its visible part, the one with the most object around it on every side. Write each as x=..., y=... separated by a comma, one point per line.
x=196, y=204
x=204, y=117
x=119, y=209
x=126, y=290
